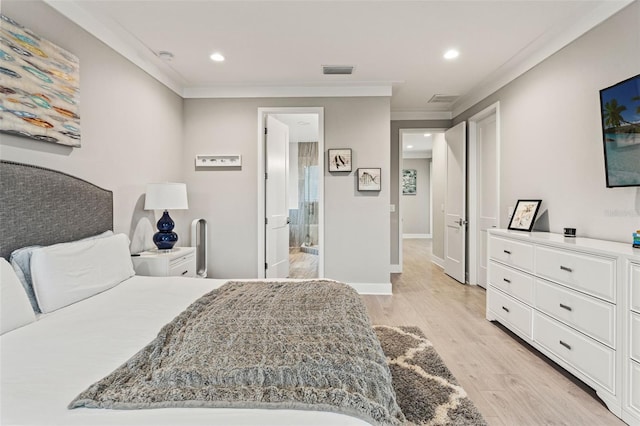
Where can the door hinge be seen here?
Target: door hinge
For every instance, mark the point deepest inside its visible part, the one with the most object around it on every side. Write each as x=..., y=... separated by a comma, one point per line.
x=266, y=176
x=265, y=130
x=266, y=265
x=266, y=221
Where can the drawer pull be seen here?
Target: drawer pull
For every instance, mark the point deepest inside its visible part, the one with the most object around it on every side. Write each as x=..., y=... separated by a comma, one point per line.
x=566, y=268
x=506, y=280
x=566, y=345
x=185, y=272
x=506, y=251
x=568, y=308
x=505, y=309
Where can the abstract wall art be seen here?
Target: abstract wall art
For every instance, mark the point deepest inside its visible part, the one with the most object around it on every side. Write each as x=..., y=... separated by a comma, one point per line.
x=39, y=87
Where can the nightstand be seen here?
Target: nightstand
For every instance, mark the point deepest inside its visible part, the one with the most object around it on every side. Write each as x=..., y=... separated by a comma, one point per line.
x=179, y=262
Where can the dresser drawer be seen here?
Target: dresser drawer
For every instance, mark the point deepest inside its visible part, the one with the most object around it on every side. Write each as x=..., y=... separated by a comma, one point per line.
x=510, y=311
x=634, y=344
x=635, y=287
x=634, y=397
x=514, y=253
x=591, y=274
x=182, y=267
x=592, y=316
x=592, y=359
x=511, y=281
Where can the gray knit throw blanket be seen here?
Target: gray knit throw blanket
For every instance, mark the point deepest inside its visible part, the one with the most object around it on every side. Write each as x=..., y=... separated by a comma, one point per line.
x=291, y=345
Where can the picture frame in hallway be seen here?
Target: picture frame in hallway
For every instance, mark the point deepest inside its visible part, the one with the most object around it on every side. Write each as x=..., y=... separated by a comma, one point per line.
x=340, y=160
x=524, y=215
x=369, y=179
x=409, y=179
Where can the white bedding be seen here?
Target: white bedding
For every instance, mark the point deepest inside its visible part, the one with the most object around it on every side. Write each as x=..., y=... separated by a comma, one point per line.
x=46, y=364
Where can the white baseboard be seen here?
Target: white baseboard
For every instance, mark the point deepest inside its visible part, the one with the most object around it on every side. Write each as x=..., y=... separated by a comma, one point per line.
x=415, y=236
x=438, y=261
x=395, y=269
x=372, y=288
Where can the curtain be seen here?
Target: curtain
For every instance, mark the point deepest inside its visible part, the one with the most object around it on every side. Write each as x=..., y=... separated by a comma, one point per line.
x=304, y=222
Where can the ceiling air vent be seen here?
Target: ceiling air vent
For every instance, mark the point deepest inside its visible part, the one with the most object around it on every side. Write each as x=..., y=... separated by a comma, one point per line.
x=443, y=99
x=337, y=69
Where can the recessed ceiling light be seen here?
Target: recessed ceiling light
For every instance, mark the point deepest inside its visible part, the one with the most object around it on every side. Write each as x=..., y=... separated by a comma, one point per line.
x=409, y=146
x=217, y=57
x=427, y=135
x=451, y=54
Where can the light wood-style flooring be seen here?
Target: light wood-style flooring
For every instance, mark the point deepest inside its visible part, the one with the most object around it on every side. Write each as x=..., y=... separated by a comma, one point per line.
x=510, y=382
x=302, y=265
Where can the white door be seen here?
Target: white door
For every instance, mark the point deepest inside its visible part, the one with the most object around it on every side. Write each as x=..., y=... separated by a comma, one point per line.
x=276, y=201
x=487, y=189
x=455, y=203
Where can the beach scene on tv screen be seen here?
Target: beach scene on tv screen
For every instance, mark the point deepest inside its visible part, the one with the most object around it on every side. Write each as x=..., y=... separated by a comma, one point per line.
x=621, y=131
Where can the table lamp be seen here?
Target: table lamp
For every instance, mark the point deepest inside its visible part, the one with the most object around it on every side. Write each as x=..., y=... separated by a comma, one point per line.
x=166, y=196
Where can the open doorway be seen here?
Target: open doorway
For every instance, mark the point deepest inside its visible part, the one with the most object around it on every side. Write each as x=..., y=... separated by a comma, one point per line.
x=302, y=194
x=293, y=182
x=415, y=207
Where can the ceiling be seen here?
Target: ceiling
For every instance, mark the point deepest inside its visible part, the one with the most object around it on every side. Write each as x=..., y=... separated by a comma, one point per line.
x=277, y=48
x=418, y=143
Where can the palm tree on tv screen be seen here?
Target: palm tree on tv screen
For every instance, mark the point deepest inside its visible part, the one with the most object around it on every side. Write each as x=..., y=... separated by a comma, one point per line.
x=613, y=114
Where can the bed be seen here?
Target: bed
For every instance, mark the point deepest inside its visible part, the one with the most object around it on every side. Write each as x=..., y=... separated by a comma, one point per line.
x=87, y=344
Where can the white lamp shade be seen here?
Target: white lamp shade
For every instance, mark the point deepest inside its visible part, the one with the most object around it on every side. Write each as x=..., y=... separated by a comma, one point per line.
x=166, y=196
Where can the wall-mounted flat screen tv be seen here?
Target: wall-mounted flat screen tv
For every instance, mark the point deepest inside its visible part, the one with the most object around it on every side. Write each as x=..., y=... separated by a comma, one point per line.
x=620, y=113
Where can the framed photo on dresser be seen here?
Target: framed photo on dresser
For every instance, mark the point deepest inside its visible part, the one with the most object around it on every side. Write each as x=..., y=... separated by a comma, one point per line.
x=524, y=215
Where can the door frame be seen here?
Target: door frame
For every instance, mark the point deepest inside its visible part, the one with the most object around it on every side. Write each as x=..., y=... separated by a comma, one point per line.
x=262, y=115
x=474, y=175
x=398, y=268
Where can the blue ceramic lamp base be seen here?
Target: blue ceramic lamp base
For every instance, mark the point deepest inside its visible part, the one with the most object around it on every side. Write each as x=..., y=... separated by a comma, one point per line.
x=165, y=238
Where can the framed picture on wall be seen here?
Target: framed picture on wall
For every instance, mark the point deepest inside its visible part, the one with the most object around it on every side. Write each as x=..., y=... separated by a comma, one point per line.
x=409, y=185
x=524, y=215
x=340, y=160
x=369, y=179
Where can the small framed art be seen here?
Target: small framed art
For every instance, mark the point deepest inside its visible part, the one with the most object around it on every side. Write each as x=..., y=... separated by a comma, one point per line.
x=340, y=160
x=369, y=179
x=409, y=177
x=524, y=215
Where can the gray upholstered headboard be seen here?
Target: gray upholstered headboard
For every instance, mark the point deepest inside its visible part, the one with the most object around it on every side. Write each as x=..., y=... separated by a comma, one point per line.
x=44, y=206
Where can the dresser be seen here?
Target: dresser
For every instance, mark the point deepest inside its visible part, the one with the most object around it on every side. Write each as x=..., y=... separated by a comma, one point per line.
x=576, y=300
x=180, y=262
x=633, y=385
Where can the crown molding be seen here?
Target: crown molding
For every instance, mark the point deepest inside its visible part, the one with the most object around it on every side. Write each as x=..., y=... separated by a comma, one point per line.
x=118, y=40
x=537, y=52
x=310, y=91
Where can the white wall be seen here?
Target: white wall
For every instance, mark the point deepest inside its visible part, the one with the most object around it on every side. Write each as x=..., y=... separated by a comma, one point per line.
x=356, y=224
x=131, y=124
x=551, y=138
x=416, y=208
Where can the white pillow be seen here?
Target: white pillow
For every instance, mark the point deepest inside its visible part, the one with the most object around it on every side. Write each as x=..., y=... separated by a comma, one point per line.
x=15, y=308
x=69, y=272
x=21, y=261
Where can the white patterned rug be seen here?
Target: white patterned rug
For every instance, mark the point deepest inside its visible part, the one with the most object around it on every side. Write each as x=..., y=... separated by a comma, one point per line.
x=426, y=391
